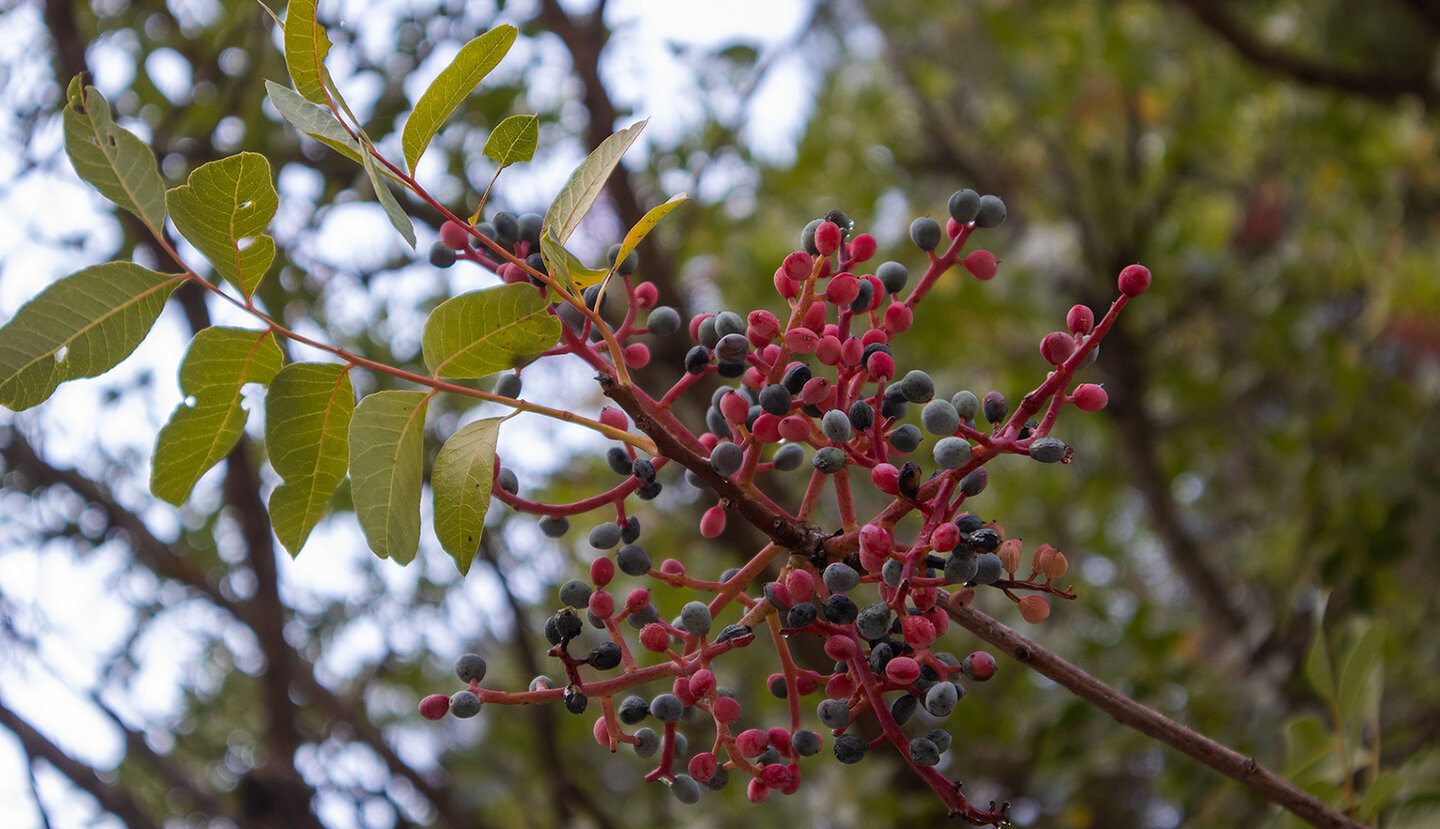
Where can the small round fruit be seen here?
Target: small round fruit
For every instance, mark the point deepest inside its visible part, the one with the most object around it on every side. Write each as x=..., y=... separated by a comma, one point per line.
x=952, y=453
x=464, y=704
x=925, y=232
x=991, y=212
x=1048, y=450
x=964, y=205
x=939, y=417
x=1134, y=280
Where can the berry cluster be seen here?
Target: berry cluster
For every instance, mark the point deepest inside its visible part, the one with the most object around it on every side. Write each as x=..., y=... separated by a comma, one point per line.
x=822, y=381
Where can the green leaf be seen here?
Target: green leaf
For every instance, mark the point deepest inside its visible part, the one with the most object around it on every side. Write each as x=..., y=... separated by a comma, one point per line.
x=313, y=120
x=306, y=45
x=585, y=184
x=81, y=326
x=307, y=434
x=513, y=140
x=482, y=332
x=1361, y=660
x=111, y=159
x=1382, y=790
x=566, y=267
x=393, y=211
x=1307, y=742
x=451, y=87
x=1318, y=671
x=461, y=479
x=646, y=224
x=223, y=210
x=387, y=470
x=220, y=361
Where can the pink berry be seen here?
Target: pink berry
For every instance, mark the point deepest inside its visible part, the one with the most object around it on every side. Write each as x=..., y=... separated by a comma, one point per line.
x=701, y=683
x=646, y=295
x=767, y=428
x=784, y=286
x=735, y=407
x=1056, y=347
x=756, y=791
x=800, y=584
x=1089, y=397
x=455, y=236
x=1080, y=320
x=840, y=686
x=694, y=326
x=512, y=274
x=919, y=632
x=827, y=238
x=601, y=732
x=654, y=637
x=435, y=707
x=898, y=318
x=672, y=567
x=952, y=228
x=841, y=648
x=881, y=365
x=981, y=264
x=797, y=265
x=712, y=523
x=614, y=418
x=875, y=540
x=703, y=766
x=726, y=709
x=828, y=350
x=886, y=478
x=1134, y=280
x=979, y=666
x=602, y=603
x=802, y=340
x=752, y=741
x=638, y=599
x=637, y=355
x=945, y=537
x=862, y=247
x=851, y=351
x=775, y=776
x=764, y=324
x=602, y=570
x=795, y=428
x=902, y=669
x=842, y=290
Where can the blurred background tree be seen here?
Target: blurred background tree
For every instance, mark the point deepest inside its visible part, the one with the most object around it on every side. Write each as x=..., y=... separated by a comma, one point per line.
x=1263, y=475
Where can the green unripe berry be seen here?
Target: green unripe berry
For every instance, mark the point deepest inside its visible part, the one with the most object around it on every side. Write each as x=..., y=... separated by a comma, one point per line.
x=862, y=416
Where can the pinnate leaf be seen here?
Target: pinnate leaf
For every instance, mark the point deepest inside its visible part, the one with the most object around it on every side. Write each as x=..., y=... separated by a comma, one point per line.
x=223, y=210
x=513, y=140
x=219, y=362
x=306, y=45
x=81, y=326
x=586, y=183
x=387, y=471
x=483, y=332
x=461, y=479
x=451, y=87
x=307, y=434
x=112, y=159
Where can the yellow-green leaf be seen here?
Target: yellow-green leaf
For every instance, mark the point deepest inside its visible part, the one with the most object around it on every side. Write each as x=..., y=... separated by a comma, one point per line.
x=81, y=326
x=513, y=140
x=307, y=434
x=313, y=120
x=483, y=332
x=1307, y=743
x=306, y=45
x=220, y=361
x=451, y=87
x=566, y=267
x=112, y=159
x=585, y=184
x=1317, y=666
x=461, y=479
x=387, y=470
x=223, y=210
x=1360, y=662
x=646, y=224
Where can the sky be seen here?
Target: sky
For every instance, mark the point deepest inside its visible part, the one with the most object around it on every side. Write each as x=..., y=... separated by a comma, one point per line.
x=74, y=610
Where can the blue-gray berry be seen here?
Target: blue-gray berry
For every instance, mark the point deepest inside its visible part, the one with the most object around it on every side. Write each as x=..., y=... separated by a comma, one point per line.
x=903, y=708
x=836, y=426
x=923, y=752
x=964, y=205
x=840, y=609
x=966, y=404
x=604, y=536
x=806, y=743
x=505, y=479
x=695, y=618
x=829, y=460
x=861, y=415
x=667, y=708
x=995, y=407
x=974, y=483
x=961, y=567
x=833, y=713
x=940, y=737
x=940, y=700
x=1048, y=450
x=840, y=577
x=775, y=399
x=939, y=417
x=508, y=385
x=729, y=322
x=891, y=572
x=685, y=789
x=789, y=457
x=991, y=212
x=554, y=526
x=649, y=742
x=575, y=593
x=925, y=232
x=633, y=710
x=893, y=275
x=663, y=320
x=470, y=666
x=801, y=615
x=905, y=438
x=697, y=359
x=441, y=255
x=464, y=704
x=726, y=458
x=633, y=560
x=988, y=568
x=850, y=749
x=952, y=453
x=917, y=387
x=619, y=460
x=874, y=621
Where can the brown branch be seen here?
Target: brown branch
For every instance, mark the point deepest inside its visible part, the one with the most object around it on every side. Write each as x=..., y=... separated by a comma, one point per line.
x=1380, y=86
x=1152, y=723
x=112, y=799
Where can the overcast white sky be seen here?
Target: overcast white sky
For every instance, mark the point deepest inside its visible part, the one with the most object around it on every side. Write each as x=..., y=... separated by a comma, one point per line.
x=83, y=602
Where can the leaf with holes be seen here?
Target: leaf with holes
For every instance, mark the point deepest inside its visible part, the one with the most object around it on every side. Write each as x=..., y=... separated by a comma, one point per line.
x=483, y=332
x=313, y=120
x=112, y=159
x=461, y=479
x=307, y=435
x=81, y=326
x=220, y=361
x=306, y=45
x=387, y=470
x=513, y=140
x=223, y=210
x=584, y=186
x=451, y=87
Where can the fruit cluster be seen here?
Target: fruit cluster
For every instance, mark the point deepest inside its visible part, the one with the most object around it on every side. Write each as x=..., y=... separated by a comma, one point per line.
x=822, y=381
